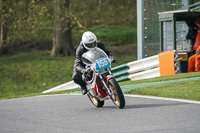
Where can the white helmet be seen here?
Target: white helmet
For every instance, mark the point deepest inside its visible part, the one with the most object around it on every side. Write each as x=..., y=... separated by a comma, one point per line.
x=89, y=40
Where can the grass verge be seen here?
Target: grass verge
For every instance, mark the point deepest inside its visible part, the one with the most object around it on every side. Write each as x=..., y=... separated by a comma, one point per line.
x=163, y=78
x=184, y=89
x=30, y=73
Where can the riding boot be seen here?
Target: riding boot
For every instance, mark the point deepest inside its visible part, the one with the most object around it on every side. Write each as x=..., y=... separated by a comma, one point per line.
x=77, y=77
x=83, y=89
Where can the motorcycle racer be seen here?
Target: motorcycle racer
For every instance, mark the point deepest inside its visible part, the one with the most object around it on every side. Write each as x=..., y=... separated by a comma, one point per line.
x=89, y=41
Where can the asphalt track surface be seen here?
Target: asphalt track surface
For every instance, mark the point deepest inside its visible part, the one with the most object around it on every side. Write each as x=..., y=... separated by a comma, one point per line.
x=75, y=114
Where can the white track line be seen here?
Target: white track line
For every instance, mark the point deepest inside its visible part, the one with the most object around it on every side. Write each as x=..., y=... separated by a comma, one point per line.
x=143, y=96
x=166, y=99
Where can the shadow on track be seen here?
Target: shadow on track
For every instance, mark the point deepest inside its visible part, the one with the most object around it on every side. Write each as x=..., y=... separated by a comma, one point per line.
x=152, y=105
x=139, y=106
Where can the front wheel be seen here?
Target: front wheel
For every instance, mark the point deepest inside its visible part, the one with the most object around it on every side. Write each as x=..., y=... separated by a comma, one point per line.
x=117, y=96
x=96, y=102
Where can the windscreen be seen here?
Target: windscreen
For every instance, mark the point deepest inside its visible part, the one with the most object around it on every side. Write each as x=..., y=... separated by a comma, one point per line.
x=91, y=56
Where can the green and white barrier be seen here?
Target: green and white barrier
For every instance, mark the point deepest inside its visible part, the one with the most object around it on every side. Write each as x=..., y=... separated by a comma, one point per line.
x=66, y=86
x=135, y=70
x=165, y=63
x=159, y=65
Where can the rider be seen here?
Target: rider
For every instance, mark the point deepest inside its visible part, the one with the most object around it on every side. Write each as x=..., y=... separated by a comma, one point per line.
x=89, y=42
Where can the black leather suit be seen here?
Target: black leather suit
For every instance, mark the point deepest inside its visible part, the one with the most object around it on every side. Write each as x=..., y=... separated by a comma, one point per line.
x=79, y=66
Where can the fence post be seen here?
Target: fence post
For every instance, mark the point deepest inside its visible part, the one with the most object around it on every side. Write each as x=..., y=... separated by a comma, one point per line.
x=140, y=29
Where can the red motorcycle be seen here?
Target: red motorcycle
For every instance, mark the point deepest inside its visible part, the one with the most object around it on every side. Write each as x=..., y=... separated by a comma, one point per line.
x=99, y=80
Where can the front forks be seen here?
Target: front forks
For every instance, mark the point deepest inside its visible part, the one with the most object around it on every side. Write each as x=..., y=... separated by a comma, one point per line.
x=107, y=88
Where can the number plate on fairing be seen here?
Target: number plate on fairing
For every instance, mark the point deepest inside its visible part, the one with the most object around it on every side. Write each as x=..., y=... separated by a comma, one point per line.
x=102, y=63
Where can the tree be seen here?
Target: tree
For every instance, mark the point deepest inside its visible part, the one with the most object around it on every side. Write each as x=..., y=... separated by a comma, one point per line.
x=62, y=38
x=3, y=26
x=14, y=19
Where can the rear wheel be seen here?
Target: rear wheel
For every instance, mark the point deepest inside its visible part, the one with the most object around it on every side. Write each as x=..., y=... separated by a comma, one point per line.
x=117, y=96
x=96, y=102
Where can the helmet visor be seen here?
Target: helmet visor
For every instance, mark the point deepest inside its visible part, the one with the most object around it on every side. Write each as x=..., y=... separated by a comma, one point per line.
x=91, y=45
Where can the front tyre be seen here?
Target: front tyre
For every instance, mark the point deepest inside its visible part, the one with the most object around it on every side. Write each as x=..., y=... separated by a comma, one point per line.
x=95, y=101
x=117, y=96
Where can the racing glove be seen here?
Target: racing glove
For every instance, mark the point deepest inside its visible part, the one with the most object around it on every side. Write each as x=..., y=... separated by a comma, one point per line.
x=86, y=74
x=83, y=71
x=112, y=59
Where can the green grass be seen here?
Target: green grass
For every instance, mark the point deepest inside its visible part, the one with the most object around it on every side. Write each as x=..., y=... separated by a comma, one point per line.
x=121, y=35
x=30, y=73
x=33, y=72
x=163, y=78
x=183, y=89
x=27, y=69
x=111, y=36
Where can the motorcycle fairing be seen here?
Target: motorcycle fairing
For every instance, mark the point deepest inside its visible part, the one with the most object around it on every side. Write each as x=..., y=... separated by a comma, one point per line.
x=108, y=77
x=98, y=91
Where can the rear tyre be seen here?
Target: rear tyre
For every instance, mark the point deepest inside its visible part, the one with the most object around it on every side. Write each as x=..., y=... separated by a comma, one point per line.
x=117, y=96
x=95, y=101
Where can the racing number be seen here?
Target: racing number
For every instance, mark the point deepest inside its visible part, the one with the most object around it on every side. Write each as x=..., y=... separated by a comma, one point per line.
x=102, y=63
